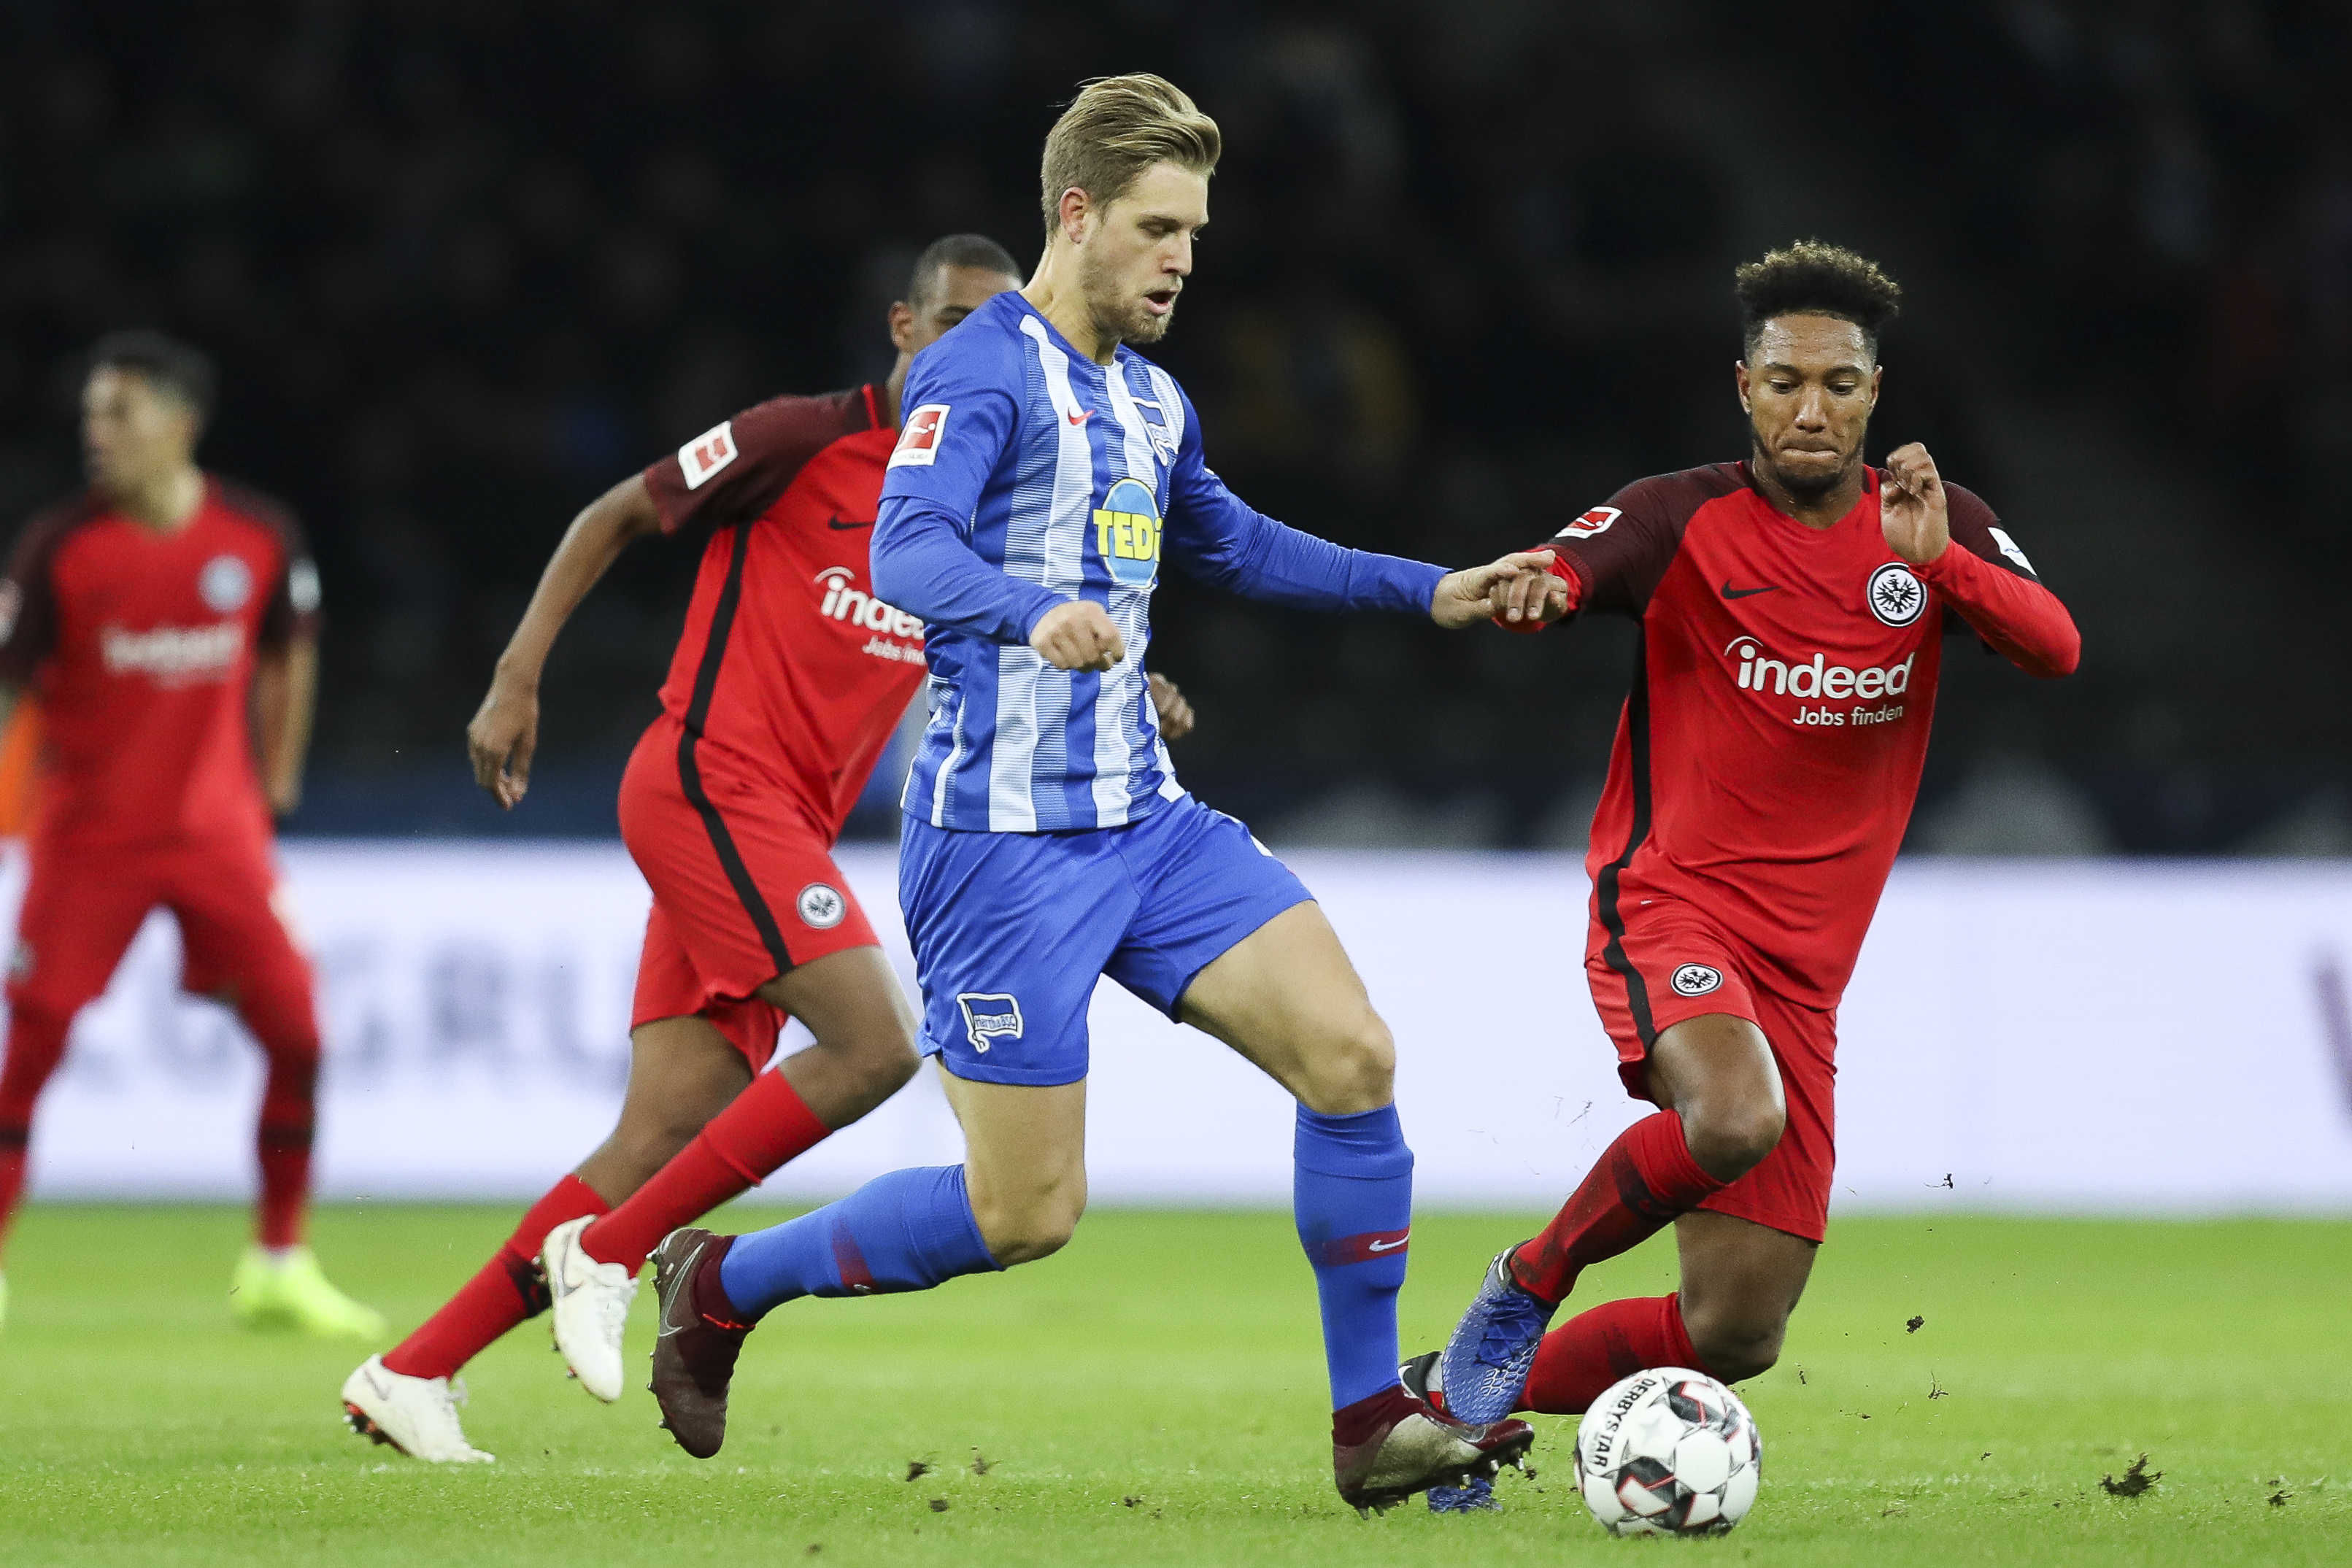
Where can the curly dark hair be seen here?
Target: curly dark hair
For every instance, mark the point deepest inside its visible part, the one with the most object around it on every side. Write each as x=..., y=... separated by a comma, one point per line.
x=1813, y=277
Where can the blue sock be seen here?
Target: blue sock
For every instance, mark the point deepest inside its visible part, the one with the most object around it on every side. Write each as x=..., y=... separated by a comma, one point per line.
x=1353, y=1194
x=906, y=1231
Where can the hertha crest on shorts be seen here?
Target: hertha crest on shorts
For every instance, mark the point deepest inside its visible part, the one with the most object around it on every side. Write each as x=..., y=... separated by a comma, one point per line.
x=986, y=1017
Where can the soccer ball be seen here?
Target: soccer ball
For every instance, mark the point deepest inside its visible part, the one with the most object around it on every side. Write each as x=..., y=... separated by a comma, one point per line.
x=1668, y=1452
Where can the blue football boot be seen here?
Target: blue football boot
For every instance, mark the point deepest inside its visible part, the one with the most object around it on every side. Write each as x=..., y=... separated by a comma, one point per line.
x=1484, y=1367
x=1420, y=1378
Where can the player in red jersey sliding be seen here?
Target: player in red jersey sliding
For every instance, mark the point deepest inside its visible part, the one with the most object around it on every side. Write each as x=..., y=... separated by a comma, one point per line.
x=783, y=692
x=1792, y=610
x=165, y=619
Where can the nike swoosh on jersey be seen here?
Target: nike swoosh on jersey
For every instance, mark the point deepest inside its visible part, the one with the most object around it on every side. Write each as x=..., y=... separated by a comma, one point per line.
x=835, y=522
x=1731, y=593
x=1080, y=415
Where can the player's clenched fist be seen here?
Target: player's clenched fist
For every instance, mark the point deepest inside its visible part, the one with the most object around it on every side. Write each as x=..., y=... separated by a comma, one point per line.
x=1173, y=711
x=1911, y=508
x=1476, y=594
x=500, y=740
x=1079, y=636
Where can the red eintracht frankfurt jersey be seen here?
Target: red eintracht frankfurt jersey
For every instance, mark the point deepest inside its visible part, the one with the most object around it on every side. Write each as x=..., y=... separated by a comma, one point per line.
x=1770, y=753
x=790, y=672
x=139, y=645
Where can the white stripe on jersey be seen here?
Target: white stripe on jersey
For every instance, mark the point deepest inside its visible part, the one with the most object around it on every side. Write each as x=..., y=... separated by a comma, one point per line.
x=1012, y=761
x=947, y=769
x=1033, y=699
x=1118, y=730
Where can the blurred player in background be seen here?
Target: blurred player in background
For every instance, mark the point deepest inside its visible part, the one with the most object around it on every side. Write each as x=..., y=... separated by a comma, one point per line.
x=784, y=691
x=1793, y=611
x=1043, y=470
x=165, y=619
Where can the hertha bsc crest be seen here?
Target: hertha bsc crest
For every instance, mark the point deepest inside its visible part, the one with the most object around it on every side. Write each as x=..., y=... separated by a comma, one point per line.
x=985, y=1017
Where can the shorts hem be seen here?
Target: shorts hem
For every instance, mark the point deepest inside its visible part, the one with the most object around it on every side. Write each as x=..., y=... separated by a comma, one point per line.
x=1787, y=1225
x=1013, y=1077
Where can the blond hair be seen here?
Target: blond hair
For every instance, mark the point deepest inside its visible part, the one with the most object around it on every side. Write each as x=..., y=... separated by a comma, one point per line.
x=1116, y=128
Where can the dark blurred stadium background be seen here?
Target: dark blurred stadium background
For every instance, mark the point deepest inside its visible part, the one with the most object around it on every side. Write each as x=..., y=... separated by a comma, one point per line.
x=466, y=264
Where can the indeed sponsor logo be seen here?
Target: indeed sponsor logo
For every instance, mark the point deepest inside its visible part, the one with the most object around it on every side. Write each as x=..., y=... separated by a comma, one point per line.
x=1818, y=677
x=859, y=608
x=174, y=654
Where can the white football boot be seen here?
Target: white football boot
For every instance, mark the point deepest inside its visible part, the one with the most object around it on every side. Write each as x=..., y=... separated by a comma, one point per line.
x=418, y=1416
x=590, y=1309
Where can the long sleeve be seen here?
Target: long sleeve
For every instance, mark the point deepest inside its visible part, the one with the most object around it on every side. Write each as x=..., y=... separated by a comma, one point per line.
x=1989, y=583
x=922, y=560
x=2017, y=617
x=922, y=564
x=1217, y=539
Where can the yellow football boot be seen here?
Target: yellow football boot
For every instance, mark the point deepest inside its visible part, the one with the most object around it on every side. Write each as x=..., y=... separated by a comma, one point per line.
x=292, y=1292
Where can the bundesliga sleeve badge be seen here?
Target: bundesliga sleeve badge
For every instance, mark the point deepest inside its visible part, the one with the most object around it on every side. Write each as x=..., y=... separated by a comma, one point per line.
x=1595, y=521
x=707, y=454
x=919, y=443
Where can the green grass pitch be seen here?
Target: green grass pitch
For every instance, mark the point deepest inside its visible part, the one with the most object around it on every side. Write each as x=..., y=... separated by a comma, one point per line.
x=1154, y=1396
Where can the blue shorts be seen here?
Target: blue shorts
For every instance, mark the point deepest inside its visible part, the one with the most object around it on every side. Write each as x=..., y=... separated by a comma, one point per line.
x=1012, y=930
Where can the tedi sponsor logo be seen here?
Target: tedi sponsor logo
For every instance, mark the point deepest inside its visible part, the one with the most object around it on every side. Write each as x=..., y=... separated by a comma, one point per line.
x=1817, y=678
x=174, y=654
x=854, y=605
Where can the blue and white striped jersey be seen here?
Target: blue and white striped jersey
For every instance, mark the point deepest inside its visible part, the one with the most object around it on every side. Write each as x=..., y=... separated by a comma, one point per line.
x=1027, y=475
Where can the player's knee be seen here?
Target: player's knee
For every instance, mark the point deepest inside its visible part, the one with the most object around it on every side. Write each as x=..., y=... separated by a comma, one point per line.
x=1351, y=1069
x=1023, y=1232
x=882, y=1061
x=1734, y=1345
x=1731, y=1138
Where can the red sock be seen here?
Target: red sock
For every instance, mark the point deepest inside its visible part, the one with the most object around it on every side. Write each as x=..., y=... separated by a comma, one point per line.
x=1640, y=1184
x=283, y=1153
x=37, y=1042
x=508, y=1289
x=279, y=1011
x=1578, y=1360
x=12, y=1180
x=768, y=1124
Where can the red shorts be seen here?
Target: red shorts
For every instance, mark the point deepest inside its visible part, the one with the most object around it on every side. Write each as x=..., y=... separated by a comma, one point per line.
x=1674, y=963
x=744, y=889
x=84, y=903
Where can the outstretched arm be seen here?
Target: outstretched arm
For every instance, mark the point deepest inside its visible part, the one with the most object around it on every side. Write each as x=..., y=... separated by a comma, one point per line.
x=1220, y=540
x=2015, y=615
x=505, y=731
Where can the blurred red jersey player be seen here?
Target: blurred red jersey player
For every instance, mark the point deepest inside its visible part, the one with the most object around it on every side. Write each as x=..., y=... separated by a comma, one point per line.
x=787, y=684
x=165, y=621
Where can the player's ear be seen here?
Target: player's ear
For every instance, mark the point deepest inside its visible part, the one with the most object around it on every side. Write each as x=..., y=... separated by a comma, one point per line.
x=1075, y=206
x=1739, y=384
x=901, y=317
